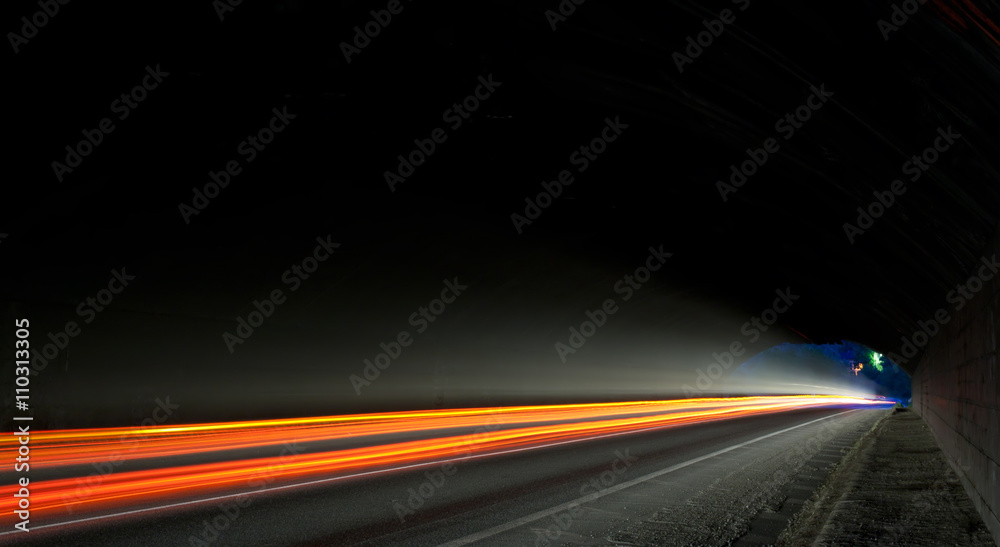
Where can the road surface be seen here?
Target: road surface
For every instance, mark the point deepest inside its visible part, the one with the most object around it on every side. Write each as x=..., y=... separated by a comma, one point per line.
x=705, y=484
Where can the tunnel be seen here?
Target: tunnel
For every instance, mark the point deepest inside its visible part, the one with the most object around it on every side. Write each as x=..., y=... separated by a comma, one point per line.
x=284, y=210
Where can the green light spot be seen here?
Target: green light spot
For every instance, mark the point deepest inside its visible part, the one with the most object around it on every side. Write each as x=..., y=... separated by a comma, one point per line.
x=877, y=361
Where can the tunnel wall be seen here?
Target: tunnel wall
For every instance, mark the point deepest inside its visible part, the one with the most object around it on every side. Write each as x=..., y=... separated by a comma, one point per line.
x=955, y=390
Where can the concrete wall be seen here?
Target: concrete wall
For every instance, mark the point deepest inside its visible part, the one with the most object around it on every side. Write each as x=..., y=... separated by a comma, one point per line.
x=956, y=391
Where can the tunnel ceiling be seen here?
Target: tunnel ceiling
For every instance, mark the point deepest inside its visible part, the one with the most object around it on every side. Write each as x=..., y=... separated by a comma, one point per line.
x=784, y=227
x=890, y=101
x=787, y=222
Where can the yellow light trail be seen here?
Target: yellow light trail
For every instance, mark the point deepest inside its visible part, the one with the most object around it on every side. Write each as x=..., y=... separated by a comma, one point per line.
x=522, y=426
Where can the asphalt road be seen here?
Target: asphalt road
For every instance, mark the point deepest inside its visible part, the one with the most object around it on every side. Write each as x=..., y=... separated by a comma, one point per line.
x=736, y=480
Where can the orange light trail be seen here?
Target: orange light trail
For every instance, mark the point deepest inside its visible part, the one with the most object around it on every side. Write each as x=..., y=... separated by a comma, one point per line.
x=84, y=446
x=518, y=427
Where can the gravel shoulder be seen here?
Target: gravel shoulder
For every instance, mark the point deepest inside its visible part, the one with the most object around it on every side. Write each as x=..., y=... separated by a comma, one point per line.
x=893, y=488
x=753, y=493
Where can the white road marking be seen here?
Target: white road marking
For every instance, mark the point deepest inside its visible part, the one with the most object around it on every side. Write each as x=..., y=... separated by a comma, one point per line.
x=612, y=489
x=417, y=466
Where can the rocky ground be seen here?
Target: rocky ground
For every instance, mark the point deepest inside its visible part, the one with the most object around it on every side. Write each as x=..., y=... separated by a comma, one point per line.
x=752, y=504
x=894, y=488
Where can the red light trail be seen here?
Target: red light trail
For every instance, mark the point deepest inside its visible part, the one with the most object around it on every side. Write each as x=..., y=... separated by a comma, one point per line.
x=514, y=427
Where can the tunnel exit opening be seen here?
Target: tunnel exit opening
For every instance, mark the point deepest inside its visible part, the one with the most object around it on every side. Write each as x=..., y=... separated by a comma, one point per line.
x=844, y=368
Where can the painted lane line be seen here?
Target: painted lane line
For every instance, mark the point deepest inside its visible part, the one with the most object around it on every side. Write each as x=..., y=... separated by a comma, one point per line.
x=611, y=490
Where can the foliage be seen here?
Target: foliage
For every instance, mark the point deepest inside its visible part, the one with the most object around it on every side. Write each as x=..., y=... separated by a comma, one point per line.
x=891, y=380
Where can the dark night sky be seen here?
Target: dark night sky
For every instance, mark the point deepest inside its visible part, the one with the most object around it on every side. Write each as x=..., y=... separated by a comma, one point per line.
x=323, y=175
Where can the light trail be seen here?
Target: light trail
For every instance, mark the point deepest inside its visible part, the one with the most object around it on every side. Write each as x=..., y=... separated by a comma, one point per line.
x=85, y=446
x=65, y=447
x=524, y=427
